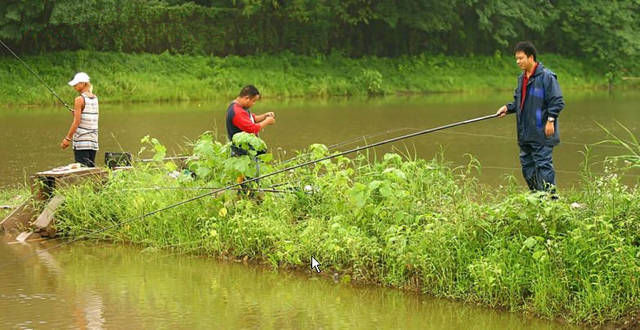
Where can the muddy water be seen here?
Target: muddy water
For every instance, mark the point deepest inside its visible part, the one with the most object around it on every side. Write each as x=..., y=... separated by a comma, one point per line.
x=109, y=286
x=101, y=286
x=31, y=135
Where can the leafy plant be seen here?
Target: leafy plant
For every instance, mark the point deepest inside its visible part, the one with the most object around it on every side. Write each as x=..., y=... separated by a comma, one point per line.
x=402, y=222
x=371, y=81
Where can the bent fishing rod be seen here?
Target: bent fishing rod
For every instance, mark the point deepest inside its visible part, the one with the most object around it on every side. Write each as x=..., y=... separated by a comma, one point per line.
x=291, y=168
x=36, y=75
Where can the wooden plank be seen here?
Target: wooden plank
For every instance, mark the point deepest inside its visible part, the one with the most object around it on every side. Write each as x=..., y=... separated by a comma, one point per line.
x=69, y=180
x=24, y=236
x=46, y=217
x=44, y=183
x=64, y=171
x=32, y=239
x=19, y=218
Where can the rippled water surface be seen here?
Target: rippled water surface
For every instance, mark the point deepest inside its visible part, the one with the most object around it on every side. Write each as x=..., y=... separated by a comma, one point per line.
x=105, y=286
x=31, y=135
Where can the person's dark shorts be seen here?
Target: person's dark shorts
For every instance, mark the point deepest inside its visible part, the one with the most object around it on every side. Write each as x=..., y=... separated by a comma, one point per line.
x=85, y=157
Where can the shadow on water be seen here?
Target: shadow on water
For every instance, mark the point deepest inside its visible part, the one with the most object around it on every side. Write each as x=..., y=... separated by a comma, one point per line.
x=96, y=285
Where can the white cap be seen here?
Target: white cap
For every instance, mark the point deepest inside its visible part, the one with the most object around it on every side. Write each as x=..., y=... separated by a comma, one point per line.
x=80, y=77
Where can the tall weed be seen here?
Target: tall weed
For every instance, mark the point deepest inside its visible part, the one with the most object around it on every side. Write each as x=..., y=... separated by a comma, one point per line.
x=397, y=221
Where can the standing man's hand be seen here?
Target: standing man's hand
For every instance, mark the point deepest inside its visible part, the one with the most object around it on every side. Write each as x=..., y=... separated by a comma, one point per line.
x=270, y=114
x=549, y=129
x=502, y=111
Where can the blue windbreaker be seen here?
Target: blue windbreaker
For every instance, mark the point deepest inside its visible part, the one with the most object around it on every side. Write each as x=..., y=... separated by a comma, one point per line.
x=543, y=100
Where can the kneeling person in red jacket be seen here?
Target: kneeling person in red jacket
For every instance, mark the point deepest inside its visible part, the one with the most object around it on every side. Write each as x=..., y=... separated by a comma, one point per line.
x=240, y=118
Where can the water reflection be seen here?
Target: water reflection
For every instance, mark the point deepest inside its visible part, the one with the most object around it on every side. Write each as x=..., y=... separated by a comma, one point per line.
x=86, y=307
x=98, y=286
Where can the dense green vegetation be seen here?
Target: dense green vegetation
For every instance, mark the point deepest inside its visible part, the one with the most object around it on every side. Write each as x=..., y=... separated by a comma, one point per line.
x=145, y=77
x=604, y=33
x=605, y=30
x=393, y=220
x=306, y=47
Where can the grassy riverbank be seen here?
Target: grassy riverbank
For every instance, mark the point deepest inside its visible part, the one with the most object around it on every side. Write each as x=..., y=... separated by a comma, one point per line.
x=145, y=77
x=11, y=197
x=392, y=220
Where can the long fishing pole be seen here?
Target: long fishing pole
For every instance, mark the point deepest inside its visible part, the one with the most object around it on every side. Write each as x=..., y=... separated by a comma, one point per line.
x=350, y=141
x=36, y=75
x=156, y=188
x=329, y=147
x=365, y=137
x=216, y=191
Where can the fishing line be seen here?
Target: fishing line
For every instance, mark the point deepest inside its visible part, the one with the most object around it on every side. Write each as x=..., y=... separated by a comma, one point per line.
x=557, y=170
x=37, y=76
x=365, y=137
x=594, y=144
x=291, y=168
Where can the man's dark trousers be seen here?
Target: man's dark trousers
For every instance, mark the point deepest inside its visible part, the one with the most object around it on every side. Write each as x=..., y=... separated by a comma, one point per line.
x=537, y=166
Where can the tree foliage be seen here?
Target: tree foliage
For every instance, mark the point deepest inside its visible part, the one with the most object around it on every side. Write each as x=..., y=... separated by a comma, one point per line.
x=606, y=31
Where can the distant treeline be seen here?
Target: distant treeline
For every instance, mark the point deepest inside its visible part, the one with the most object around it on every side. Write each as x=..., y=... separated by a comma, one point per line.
x=606, y=31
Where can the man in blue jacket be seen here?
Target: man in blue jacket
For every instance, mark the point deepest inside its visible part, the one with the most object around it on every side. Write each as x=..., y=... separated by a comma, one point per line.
x=537, y=102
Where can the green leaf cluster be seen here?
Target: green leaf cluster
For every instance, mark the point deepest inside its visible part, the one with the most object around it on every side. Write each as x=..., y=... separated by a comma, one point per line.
x=605, y=31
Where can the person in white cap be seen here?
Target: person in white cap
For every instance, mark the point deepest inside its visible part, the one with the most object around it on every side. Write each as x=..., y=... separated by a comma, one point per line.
x=83, y=133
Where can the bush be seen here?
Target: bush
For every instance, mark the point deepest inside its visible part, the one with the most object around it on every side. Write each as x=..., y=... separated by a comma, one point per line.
x=407, y=223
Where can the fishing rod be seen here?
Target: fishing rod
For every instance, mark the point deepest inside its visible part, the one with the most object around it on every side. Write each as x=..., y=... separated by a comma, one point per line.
x=268, y=189
x=369, y=136
x=351, y=141
x=36, y=75
x=330, y=147
x=291, y=168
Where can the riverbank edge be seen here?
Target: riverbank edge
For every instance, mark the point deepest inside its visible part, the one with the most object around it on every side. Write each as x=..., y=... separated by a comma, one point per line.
x=124, y=78
x=631, y=321
x=9, y=195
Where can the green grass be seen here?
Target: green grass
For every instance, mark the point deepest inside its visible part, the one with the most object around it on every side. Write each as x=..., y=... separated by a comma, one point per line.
x=12, y=196
x=395, y=221
x=145, y=77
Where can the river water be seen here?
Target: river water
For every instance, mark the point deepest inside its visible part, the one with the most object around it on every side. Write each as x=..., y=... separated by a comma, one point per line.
x=105, y=286
x=31, y=135
x=96, y=285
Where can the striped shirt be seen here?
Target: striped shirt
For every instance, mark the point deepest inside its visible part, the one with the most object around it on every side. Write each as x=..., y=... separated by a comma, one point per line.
x=86, y=136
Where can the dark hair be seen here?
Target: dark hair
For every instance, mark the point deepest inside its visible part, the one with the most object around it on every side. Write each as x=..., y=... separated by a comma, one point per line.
x=527, y=48
x=249, y=90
